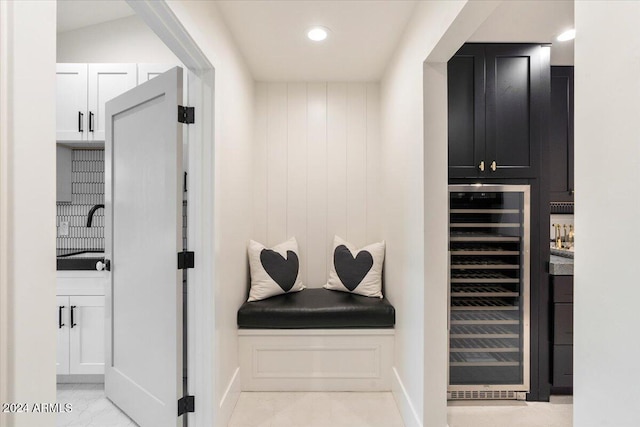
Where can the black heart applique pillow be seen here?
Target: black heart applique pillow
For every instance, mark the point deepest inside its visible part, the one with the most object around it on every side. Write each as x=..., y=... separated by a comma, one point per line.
x=274, y=271
x=356, y=270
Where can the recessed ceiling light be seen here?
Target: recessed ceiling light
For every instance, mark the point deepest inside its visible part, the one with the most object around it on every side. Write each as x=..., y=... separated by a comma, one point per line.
x=567, y=35
x=317, y=34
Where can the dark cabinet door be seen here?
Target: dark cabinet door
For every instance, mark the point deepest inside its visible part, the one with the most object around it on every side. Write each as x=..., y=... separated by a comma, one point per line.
x=465, y=80
x=561, y=135
x=514, y=101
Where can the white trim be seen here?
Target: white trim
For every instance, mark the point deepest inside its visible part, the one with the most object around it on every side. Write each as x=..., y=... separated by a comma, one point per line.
x=80, y=379
x=230, y=398
x=405, y=406
x=4, y=205
x=307, y=359
x=201, y=313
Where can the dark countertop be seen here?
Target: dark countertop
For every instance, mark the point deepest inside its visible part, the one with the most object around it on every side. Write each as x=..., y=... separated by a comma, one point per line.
x=76, y=263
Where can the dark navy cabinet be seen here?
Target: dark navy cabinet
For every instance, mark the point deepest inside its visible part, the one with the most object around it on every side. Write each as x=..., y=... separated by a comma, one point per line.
x=497, y=95
x=561, y=135
x=562, y=335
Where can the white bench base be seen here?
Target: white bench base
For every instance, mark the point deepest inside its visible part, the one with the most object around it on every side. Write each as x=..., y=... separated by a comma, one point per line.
x=316, y=359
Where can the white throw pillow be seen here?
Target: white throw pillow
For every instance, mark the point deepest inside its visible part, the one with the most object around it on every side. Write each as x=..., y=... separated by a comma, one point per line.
x=274, y=271
x=356, y=270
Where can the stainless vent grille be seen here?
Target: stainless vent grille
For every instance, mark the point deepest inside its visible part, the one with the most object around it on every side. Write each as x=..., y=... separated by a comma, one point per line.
x=484, y=395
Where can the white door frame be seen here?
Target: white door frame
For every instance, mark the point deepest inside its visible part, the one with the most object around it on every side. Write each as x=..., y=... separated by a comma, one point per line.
x=4, y=206
x=201, y=316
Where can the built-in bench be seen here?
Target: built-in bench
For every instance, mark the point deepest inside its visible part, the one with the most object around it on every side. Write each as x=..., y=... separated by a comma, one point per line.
x=316, y=340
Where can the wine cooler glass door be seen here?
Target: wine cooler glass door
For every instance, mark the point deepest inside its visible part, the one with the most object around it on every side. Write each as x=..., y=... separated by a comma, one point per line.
x=489, y=288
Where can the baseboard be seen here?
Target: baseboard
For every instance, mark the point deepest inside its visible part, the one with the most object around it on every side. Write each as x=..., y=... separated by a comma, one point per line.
x=229, y=399
x=405, y=406
x=80, y=379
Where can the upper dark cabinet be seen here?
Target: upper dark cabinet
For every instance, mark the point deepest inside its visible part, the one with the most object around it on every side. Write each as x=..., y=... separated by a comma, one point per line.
x=497, y=96
x=561, y=135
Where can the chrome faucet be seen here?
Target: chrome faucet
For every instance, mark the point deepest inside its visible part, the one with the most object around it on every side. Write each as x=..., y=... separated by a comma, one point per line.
x=91, y=212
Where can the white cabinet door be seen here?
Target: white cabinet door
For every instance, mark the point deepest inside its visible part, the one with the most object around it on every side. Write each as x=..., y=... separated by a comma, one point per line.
x=62, y=352
x=106, y=81
x=143, y=212
x=86, y=335
x=71, y=102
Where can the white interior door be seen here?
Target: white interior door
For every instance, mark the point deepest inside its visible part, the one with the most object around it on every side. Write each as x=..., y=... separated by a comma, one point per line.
x=143, y=200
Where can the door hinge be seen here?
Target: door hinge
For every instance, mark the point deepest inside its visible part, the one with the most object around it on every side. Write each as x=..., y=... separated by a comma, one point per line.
x=186, y=404
x=185, y=260
x=186, y=114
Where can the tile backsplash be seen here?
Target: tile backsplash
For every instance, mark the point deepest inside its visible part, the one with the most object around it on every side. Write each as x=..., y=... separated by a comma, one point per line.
x=87, y=190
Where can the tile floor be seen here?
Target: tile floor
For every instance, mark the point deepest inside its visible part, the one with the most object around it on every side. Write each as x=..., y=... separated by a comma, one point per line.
x=306, y=409
x=90, y=407
x=557, y=413
x=379, y=410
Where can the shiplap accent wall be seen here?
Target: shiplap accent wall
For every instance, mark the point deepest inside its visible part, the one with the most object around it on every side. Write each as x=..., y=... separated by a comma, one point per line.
x=317, y=168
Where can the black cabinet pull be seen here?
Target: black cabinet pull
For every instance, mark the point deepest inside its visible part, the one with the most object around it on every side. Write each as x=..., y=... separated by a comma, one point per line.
x=90, y=121
x=60, y=324
x=73, y=323
x=80, y=117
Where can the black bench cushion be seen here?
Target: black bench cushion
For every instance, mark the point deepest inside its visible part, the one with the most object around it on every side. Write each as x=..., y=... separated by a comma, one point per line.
x=317, y=309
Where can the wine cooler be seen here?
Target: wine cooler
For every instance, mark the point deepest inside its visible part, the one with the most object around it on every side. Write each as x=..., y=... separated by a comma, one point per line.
x=489, y=291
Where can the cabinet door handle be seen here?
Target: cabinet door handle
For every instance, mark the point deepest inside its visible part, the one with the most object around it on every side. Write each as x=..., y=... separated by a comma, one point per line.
x=80, y=120
x=481, y=166
x=73, y=323
x=60, y=324
x=494, y=166
x=90, y=121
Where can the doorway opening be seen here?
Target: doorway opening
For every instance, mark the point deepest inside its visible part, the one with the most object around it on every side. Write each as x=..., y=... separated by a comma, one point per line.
x=142, y=23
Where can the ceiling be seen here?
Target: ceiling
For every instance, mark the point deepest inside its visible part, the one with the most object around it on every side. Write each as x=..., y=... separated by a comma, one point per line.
x=272, y=37
x=74, y=14
x=531, y=21
x=363, y=33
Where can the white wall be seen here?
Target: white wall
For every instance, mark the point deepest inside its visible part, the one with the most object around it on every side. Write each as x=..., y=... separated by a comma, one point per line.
x=27, y=206
x=233, y=181
x=607, y=174
x=316, y=162
x=414, y=173
x=119, y=41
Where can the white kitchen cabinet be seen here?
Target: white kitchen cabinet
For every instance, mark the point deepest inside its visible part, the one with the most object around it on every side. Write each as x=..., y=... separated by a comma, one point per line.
x=71, y=102
x=82, y=91
x=62, y=353
x=81, y=342
x=80, y=335
x=106, y=81
x=86, y=335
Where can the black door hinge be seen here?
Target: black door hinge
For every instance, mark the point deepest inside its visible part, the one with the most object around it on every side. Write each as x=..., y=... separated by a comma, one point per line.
x=186, y=114
x=186, y=404
x=185, y=260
